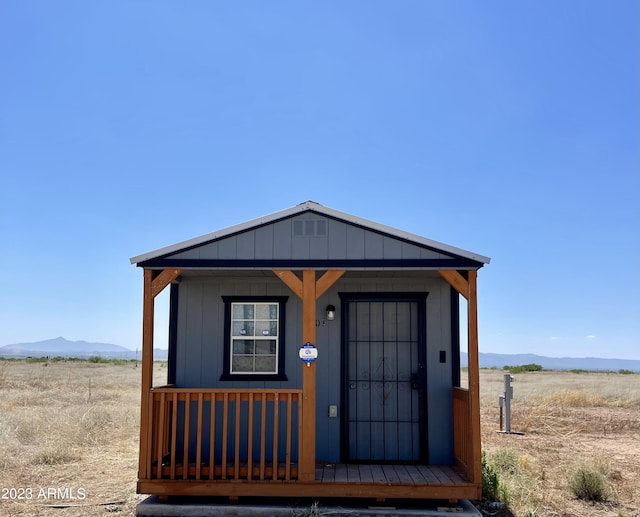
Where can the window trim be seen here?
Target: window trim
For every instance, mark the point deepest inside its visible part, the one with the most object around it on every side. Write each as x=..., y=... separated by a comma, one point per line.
x=261, y=377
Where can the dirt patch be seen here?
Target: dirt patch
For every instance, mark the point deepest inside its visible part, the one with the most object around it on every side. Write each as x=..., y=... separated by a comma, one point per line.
x=559, y=436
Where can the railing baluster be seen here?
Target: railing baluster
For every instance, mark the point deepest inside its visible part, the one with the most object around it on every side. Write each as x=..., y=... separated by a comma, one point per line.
x=300, y=434
x=153, y=417
x=160, y=438
x=167, y=424
x=174, y=430
x=287, y=457
x=236, y=461
x=199, y=437
x=263, y=432
x=250, y=438
x=185, y=438
x=212, y=437
x=276, y=423
x=225, y=426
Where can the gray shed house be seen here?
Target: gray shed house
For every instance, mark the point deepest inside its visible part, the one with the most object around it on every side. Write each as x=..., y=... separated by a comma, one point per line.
x=311, y=353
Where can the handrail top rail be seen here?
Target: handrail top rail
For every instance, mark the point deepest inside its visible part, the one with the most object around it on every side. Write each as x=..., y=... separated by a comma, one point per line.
x=258, y=391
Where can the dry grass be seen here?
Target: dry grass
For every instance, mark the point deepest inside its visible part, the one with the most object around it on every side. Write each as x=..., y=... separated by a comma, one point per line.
x=74, y=426
x=573, y=423
x=68, y=429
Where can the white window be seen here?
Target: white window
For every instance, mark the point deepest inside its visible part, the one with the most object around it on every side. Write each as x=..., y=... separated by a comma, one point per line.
x=254, y=338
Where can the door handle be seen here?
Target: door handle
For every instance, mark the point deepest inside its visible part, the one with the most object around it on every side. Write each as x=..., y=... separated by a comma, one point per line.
x=415, y=382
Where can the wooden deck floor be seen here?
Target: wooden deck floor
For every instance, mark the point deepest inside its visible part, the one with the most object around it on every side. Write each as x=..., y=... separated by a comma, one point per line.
x=331, y=480
x=389, y=474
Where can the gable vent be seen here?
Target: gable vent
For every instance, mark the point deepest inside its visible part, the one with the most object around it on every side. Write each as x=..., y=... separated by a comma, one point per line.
x=310, y=228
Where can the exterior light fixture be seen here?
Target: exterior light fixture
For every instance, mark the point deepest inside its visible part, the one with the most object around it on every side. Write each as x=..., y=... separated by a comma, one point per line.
x=331, y=312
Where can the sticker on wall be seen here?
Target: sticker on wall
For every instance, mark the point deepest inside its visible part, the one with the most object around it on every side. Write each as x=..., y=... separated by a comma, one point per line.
x=308, y=353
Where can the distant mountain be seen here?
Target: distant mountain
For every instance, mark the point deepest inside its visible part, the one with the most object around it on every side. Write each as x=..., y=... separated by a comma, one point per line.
x=554, y=363
x=81, y=349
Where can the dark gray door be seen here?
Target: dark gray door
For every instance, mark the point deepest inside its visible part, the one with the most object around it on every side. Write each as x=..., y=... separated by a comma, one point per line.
x=384, y=380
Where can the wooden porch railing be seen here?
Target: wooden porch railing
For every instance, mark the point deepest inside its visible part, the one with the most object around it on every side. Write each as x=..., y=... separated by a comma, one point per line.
x=461, y=429
x=228, y=434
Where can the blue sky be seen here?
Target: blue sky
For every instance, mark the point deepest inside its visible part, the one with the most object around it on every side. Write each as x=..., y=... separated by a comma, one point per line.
x=508, y=129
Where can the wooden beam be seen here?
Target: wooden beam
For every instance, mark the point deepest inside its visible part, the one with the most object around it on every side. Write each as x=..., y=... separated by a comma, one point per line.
x=456, y=280
x=309, y=291
x=153, y=286
x=327, y=280
x=292, y=281
x=474, y=379
x=309, y=489
x=147, y=374
x=163, y=280
x=468, y=289
x=308, y=463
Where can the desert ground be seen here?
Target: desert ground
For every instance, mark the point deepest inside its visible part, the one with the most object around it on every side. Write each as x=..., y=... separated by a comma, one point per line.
x=571, y=423
x=69, y=440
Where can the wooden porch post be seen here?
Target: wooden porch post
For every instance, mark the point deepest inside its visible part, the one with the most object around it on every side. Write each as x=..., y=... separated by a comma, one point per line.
x=309, y=291
x=474, y=378
x=468, y=289
x=152, y=287
x=147, y=373
x=308, y=467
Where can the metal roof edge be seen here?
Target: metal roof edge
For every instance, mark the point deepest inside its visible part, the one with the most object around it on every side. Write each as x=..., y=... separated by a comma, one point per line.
x=304, y=207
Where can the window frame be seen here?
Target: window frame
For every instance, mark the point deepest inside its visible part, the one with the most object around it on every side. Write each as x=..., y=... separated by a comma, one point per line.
x=279, y=375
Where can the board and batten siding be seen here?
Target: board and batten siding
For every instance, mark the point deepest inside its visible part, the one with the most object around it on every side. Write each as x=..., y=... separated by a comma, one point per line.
x=325, y=239
x=200, y=342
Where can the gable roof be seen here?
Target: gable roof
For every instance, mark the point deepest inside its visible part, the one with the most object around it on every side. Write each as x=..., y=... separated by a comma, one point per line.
x=423, y=252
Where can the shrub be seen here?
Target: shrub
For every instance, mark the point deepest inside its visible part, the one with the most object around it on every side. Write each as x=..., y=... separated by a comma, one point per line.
x=588, y=480
x=54, y=455
x=492, y=488
x=626, y=372
x=97, y=359
x=505, y=460
x=587, y=484
x=36, y=360
x=523, y=368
